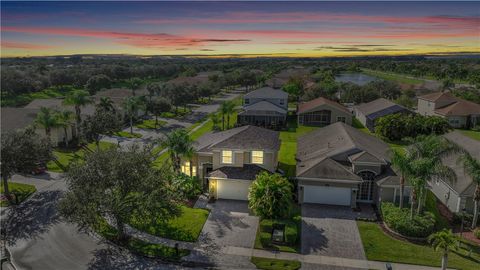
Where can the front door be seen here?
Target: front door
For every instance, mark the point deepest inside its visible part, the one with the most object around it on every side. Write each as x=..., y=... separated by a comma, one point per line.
x=207, y=169
x=365, y=189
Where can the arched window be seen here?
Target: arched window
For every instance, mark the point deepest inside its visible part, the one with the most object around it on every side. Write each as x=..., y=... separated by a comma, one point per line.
x=365, y=189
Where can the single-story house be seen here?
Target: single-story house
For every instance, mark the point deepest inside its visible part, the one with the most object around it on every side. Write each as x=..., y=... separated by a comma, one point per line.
x=459, y=194
x=322, y=112
x=266, y=107
x=368, y=113
x=460, y=113
x=341, y=165
x=228, y=161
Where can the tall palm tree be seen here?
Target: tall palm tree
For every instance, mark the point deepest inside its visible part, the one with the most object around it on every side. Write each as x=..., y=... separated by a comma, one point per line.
x=65, y=119
x=443, y=241
x=134, y=84
x=472, y=168
x=230, y=110
x=47, y=118
x=226, y=109
x=106, y=104
x=78, y=98
x=131, y=106
x=401, y=161
x=179, y=144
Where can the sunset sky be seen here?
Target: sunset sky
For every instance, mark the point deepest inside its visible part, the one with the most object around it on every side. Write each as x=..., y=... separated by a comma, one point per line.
x=245, y=28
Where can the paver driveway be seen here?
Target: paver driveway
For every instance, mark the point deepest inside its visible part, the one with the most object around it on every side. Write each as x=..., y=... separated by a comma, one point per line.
x=330, y=231
x=230, y=224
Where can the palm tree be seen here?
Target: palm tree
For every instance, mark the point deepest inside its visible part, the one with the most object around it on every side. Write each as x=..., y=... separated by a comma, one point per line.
x=65, y=119
x=216, y=121
x=134, y=84
x=444, y=241
x=226, y=109
x=106, y=104
x=230, y=110
x=401, y=160
x=131, y=106
x=47, y=118
x=179, y=145
x=472, y=168
x=78, y=98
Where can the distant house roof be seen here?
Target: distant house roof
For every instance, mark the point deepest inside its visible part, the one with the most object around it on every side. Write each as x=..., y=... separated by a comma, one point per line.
x=266, y=93
x=460, y=107
x=246, y=137
x=439, y=96
x=57, y=104
x=378, y=108
x=337, y=144
x=312, y=104
x=17, y=118
x=263, y=107
x=247, y=172
x=463, y=184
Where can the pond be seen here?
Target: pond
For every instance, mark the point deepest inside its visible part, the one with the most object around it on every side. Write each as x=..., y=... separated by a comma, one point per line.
x=356, y=78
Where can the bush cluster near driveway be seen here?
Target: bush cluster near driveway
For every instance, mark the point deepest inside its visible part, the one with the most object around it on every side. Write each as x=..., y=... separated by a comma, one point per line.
x=186, y=227
x=22, y=191
x=150, y=124
x=263, y=239
x=125, y=134
x=141, y=247
x=66, y=156
x=275, y=264
x=381, y=247
x=399, y=220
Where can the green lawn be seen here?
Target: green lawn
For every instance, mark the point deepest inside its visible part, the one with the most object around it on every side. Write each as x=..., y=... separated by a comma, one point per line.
x=381, y=247
x=141, y=247
x=65, y=157
x=22, y=191
x=263, y=239
x=51, y=92
x=288, y=148
x=392, y=76
x=186, y=227
x=275, y=264
x=471, y=133
x=150, y=124
x=127, y=134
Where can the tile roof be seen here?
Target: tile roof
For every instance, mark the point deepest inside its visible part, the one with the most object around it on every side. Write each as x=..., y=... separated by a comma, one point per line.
x=439, y=96
x=312, y=104
x=460, y=107
x=263, y=106
x=245, y=137
x=247, y=172
x=266, y=93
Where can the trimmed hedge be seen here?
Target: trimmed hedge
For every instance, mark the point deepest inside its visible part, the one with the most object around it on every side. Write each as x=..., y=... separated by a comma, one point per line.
x=399, y=220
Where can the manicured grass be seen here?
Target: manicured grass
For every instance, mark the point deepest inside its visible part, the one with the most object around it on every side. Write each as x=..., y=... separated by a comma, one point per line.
x=275, y=264
x=22, y=191
x=392, y=76
x=263, y=240
x=381, y=247
x=179, y=113
x=150, y=124
x=126, y=134
x=471, y=133
x=288, y=147
x=141, y=247
x=65, y=157
x=356, y=124
x=186, y=227
x=51, y=92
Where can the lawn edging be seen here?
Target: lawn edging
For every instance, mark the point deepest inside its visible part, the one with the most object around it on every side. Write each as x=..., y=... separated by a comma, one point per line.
x=391, y=232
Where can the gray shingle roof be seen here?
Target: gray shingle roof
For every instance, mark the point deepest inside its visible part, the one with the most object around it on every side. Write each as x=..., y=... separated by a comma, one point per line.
x=378, y=108
x=263, y=107
x=463, y=183
x=17, y=118
x=57, y=103
x=247, y=172
x=337, y=142
x=267, y=92
x=246, y=137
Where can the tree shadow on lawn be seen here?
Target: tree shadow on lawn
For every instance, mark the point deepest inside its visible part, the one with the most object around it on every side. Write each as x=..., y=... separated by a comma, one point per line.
x=33, y=217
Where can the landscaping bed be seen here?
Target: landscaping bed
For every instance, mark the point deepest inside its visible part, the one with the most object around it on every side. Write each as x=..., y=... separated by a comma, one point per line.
x=22, y=191
x=150, y=124
x=186, y=227
x=141, y=247
x=291, y=228
x=381, y=247
x=275, y=264
x=399, y=220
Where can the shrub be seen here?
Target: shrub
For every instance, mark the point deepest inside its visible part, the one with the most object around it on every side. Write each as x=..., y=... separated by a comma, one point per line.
x=467, y=219
x=187, y=185
x=476, y=232
x=399, y=220
x=397, y=126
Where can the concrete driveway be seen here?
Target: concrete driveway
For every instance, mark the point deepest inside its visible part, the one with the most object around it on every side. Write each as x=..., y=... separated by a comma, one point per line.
x=230, y=224
x=330, y=231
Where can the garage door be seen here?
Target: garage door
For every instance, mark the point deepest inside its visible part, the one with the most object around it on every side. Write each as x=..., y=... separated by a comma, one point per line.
x=326, y=195
x=233, y=189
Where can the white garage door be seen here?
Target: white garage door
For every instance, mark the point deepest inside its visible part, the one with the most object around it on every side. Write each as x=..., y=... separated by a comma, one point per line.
x=233, y=189
x=326, y=195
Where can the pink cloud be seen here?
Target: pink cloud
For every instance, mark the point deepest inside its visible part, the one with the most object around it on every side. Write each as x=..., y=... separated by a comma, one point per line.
x=22, y=45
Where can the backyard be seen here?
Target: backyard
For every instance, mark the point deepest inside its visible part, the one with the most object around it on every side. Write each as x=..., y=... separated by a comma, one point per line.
x=381, y=247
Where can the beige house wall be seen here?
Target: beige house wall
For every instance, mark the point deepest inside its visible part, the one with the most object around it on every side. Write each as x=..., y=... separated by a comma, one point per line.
x=425, y=107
